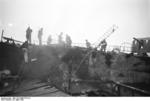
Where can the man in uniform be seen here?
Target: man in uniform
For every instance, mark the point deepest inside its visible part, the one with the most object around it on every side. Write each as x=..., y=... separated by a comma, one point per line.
x=68, y=41
x=40, y=34
x=88, y=44
x=28, y=34
x=103, y=45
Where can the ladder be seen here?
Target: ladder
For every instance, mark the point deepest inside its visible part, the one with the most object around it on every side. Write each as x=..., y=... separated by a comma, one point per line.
x=110, y=31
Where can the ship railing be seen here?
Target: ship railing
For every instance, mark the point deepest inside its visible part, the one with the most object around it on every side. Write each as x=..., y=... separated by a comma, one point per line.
x=116, y=88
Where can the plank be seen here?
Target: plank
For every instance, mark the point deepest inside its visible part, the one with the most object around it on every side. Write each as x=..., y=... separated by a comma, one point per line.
x=37, y=88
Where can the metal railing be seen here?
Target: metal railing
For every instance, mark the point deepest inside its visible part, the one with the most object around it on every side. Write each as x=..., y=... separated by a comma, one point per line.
x=116, y=88
x=126, y=90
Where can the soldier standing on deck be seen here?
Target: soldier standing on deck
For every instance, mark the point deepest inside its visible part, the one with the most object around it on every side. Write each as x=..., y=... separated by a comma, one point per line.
x=88, y=44
x=28, y=34
x=49, y=40
x=68, y=41
x=103, y=45
x=40, y=34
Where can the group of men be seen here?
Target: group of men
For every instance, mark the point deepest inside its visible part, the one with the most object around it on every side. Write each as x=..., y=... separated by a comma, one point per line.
x=29, y=32
x=68, y=40
x=102, y=45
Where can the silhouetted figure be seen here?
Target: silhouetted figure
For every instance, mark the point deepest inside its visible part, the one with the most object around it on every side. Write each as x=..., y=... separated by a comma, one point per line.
x=25, y=51
x=141, y=44
x=88, y=44
x=103, y=45
x=92, y=57
x=60, y=39
x=40, y=34
x=24, y=47
x=68, y=41
x=49, y=40
x=28, y=34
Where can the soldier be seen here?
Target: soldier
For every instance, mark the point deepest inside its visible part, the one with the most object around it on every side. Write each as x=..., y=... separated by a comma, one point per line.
x=68, y=40
x=103, y=45
x=140, y=42
x=49, y=40
x=88, y=44
x=28, y=34
x=60, y=40
x=24, y=47
x=40, y=34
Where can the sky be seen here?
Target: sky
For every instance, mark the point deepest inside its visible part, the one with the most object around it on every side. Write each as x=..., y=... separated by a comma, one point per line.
x=81, y=19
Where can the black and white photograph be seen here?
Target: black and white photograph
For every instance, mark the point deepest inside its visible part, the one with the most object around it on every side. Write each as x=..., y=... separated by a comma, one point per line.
x=74, y=48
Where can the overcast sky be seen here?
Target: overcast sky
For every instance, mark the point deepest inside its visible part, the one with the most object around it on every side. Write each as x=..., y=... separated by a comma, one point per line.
x=81, y=19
